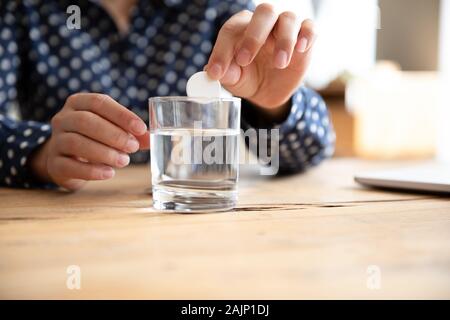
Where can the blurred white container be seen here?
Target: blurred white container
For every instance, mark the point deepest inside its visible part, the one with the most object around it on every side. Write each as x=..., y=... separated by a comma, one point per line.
x=443, y=123
x=396, y=113
x=443, y=140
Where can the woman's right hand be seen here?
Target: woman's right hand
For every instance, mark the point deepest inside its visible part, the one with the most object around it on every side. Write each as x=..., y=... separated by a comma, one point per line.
x=91, y=135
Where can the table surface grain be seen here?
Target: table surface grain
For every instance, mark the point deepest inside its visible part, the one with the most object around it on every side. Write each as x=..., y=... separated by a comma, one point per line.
x=315, y=235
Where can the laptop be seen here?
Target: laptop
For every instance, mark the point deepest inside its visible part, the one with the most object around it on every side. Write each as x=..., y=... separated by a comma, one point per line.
x=429, y=178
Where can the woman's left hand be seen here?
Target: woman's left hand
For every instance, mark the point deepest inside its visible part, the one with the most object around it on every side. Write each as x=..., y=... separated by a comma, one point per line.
x=262, y=56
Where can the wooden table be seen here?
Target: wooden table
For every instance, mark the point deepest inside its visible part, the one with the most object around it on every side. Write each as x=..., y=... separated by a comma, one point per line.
x=317, y=235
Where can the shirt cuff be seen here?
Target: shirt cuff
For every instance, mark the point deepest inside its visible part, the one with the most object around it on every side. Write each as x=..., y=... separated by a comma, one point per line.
x=20, y=140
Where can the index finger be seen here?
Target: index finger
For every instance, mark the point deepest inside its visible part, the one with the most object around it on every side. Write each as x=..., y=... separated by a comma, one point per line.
x=256, y=34
x=109, y=109
x=224, y=48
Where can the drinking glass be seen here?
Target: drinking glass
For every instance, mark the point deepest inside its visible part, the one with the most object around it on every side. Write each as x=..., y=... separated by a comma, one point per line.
x=194, y=145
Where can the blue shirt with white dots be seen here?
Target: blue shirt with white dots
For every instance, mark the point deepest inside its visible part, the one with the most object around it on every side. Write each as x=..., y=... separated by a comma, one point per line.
x=42, y=62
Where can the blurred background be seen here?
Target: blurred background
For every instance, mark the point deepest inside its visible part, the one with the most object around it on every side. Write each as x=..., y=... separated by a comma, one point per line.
x=384, y=69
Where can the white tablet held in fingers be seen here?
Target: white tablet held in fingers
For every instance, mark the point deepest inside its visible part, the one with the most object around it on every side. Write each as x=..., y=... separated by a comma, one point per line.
x=201, y=85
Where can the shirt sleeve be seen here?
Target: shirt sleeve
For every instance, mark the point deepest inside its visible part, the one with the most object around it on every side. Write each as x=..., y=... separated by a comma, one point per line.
x=305, y=138
x=18, y=139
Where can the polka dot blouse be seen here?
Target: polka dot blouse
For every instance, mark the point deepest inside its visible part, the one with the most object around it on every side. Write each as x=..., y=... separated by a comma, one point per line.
x=42, y=62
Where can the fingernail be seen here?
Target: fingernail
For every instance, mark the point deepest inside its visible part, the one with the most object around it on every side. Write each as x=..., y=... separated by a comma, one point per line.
x=108, y=173
x=215, y=71
x=132, y=145
x=138, y=127
x=243, y=57
x=302, y=45
x=123, y=160
x=281, y=59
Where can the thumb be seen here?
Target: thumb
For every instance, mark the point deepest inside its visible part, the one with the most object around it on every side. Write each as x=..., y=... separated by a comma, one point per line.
x=240, y=81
